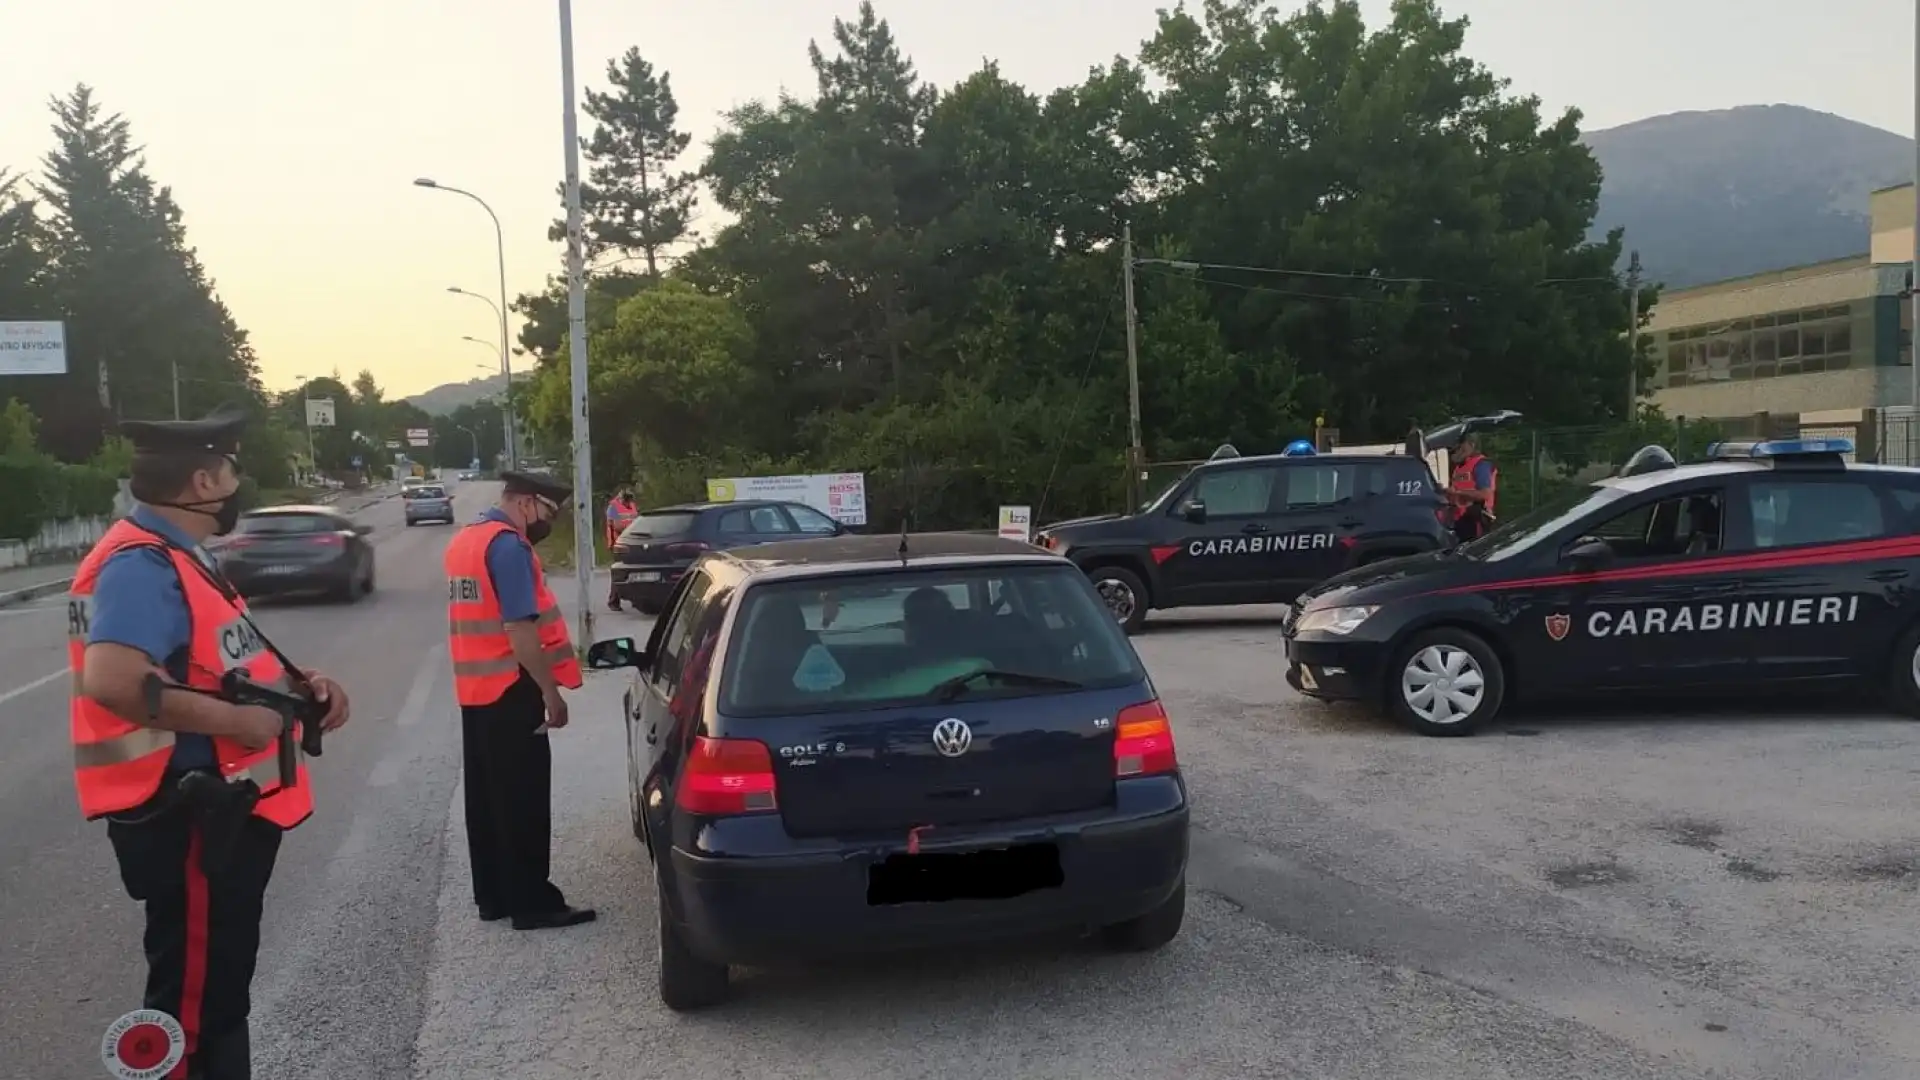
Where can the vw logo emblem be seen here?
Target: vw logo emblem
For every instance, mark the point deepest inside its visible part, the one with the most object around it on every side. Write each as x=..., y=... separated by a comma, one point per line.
x=952, y=737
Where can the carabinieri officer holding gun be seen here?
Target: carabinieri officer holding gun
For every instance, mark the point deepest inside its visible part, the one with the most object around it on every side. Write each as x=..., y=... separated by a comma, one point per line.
x=190, y=785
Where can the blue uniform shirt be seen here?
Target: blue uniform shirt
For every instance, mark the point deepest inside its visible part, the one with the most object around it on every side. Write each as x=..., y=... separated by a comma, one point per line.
x=1482, y=474
x=138, y=603
x=510, y=565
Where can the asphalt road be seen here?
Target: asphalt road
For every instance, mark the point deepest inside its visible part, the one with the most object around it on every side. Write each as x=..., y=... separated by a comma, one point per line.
x=1613, y=895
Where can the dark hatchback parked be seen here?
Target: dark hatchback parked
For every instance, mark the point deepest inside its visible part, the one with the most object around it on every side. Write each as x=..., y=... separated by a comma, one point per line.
x=284, y=550
x=653, y=554
x=835, y=748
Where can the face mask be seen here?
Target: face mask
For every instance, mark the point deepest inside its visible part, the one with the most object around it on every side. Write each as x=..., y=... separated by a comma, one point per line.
x=538, y=531
x=224, y=512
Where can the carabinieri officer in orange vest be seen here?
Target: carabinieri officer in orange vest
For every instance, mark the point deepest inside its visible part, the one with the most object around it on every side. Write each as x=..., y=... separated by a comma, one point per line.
x=147, y=601
x=511, y=658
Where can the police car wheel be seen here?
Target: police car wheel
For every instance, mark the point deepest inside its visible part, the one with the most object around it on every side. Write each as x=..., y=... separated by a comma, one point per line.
x=1446, y=682
x=1124, y=594
x=1903, y=682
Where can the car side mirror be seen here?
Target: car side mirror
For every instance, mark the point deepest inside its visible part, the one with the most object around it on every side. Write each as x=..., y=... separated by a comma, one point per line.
x=1194, y=510
x=616, y=653
x=1589, y=552
x=362, y=530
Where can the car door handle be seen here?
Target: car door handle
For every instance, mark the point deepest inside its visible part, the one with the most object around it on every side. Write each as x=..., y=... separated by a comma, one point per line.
x=1350, y=523
x=653, y=736
x=1890, y=574
x=1252, y=527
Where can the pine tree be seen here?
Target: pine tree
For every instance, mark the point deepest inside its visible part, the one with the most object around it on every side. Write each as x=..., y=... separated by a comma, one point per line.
x=633, y=201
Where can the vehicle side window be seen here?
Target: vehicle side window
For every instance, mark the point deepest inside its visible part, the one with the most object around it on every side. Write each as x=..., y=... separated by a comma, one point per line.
x=690, y=689
x=758, y=519
x=1311, y=486
x=1689, y=524
x=1792, y=512
x=1235, y=492
x=1907, y=503
x=679, y=633
x=812, y=522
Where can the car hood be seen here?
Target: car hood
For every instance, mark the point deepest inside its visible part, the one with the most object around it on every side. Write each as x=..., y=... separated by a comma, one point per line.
x=1087, y=527
x=1388, y=579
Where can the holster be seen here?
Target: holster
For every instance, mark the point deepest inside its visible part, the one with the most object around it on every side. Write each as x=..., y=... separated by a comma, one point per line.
x=220, y=808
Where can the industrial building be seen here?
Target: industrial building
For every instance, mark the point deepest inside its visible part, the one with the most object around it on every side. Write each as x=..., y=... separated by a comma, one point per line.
x=1826, y=346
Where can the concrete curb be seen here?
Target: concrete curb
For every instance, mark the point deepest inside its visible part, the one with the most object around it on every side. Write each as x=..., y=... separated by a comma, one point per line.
x=16, y=597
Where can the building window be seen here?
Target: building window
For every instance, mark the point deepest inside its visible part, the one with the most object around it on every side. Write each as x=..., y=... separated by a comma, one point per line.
x=1784, y=343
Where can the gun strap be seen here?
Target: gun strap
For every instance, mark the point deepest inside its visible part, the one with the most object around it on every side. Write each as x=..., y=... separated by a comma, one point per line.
x=219, y=581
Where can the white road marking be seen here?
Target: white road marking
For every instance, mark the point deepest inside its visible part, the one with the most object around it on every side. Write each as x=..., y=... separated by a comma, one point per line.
x=36, y=684
x=389, y=769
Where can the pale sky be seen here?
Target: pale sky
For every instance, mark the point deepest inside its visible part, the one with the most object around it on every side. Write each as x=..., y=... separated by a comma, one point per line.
x=291, y=133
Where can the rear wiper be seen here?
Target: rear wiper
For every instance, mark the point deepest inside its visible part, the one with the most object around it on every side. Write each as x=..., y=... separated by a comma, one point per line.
x=948, y=689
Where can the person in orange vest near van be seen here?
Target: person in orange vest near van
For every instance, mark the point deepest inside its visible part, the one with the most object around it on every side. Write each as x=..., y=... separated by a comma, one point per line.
x=511, y=658
x=621, y=512
x=1472, y=491
x=152, y=627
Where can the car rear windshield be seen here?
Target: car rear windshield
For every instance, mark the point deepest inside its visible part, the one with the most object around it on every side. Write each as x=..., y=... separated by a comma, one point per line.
x=672, y=523
x=288, y=524
x=426, y=493
x=880, y=640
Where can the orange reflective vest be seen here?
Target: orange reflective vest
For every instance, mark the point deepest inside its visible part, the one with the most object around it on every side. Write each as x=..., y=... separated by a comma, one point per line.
x=119, y=765
x=1463, y=479
x=483, y=662
x=619, y=516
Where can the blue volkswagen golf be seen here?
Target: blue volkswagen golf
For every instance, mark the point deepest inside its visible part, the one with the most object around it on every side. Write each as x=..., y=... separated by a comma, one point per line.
x=872, y=742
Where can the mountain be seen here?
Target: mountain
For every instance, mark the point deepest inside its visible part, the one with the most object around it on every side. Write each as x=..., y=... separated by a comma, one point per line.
x=443, y=399
x=1706, y=196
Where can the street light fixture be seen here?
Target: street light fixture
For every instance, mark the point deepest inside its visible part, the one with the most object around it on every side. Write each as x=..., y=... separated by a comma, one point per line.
x=500, y=251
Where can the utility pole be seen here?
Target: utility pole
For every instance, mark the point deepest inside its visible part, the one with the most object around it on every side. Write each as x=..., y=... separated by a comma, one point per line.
x=1633, y=337
x=176, y=389
x=1136, y=454
x=583, y=534
x=1913, y=339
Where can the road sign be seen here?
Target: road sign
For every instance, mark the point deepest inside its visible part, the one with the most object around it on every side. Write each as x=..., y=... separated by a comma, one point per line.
x=320, y=412
x=357, y=463
x=393, y=444
x=419, y=436
x=33, y=348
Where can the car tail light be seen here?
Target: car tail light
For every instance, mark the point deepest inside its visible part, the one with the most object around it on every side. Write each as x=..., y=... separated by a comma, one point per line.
x=1144, y=743
x=330, y=539
x=686, y=550
x=725, y=777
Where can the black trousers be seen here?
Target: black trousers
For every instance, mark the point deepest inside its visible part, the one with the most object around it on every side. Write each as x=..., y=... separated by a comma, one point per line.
x=203, y=932
x=509, y=782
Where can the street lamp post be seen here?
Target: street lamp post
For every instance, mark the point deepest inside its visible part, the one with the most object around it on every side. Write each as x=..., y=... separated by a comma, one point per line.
x=577, y=335
x=506, y=370
x=476, y=444
x=500, y=250
x=506, y=398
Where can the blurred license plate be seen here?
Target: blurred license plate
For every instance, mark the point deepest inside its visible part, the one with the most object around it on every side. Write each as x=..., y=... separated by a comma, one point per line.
x=645, y=575
x=277, y=570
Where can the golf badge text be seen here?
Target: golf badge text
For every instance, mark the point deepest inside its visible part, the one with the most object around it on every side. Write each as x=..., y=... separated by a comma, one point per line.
x=145, y=1044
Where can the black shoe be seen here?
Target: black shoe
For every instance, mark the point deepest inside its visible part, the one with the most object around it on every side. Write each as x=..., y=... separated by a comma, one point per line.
x=554, y=920
x=613, y=605
x=490, y=915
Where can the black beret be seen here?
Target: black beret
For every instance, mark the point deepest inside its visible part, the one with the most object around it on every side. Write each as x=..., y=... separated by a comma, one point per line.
x=216, y=433
x=538, y=484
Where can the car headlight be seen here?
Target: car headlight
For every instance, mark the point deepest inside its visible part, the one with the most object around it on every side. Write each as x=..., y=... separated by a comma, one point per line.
x=1336, y=620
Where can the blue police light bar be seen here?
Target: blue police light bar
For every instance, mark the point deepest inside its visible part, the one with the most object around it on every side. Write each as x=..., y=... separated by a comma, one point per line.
x=1779, y=448
x=1298, y=448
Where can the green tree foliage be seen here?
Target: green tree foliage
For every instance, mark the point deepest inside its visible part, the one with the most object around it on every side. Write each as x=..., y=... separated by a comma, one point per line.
x=98, y=243
x=633, y=202
x=470, y=431
x=1333, y=220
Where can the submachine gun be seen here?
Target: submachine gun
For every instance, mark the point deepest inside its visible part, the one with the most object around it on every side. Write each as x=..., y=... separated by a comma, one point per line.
x=220, y=805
